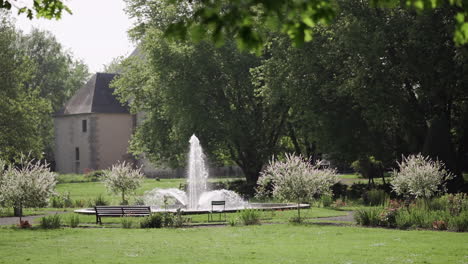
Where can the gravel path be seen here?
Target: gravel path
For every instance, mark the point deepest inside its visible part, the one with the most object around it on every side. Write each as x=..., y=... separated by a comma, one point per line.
x=345, y=218
x=15, y=220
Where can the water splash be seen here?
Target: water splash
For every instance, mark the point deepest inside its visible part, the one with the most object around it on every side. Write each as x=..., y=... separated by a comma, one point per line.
x=197, y=196
x=197, y=173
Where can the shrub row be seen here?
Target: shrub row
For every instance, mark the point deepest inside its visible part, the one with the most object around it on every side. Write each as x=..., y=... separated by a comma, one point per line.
x=449, y=212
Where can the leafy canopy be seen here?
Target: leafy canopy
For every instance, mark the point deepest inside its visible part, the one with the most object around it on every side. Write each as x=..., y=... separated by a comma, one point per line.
x=246, y=19
x=39, y=8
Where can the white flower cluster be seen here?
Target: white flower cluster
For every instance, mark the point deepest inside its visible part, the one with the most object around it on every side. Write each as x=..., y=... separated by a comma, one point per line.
x=123, y=178
x=420, y=177
x=27, y=185
x=295, y=179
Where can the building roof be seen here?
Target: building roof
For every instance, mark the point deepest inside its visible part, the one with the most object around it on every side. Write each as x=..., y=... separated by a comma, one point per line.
x=94, y=97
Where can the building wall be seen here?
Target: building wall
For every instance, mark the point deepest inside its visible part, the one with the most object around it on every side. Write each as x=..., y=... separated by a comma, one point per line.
x=68, y=136
x=104, y=143
x=112, y=133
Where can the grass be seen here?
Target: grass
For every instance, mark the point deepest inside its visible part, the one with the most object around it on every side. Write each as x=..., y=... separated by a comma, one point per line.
x=90, y=190
x=252, y=244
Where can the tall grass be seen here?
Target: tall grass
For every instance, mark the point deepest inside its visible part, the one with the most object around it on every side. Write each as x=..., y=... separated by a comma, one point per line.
x=368, y=216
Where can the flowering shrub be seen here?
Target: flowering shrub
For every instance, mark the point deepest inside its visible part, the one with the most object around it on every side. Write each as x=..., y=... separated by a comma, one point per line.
x=295, y=179
x=28, y=185
x=419, y=177
x=122, y=178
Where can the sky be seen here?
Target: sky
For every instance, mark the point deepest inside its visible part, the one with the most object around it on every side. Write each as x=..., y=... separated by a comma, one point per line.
x=95, y=33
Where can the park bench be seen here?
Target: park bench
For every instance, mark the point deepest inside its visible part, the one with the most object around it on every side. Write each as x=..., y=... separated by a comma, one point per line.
x=119, y=211
x=217, y=204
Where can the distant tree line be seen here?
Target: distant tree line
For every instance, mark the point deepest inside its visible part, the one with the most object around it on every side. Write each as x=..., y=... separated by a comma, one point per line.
x=377, y=82
x=37, y=76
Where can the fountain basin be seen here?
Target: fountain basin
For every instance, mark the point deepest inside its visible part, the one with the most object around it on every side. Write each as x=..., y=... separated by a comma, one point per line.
x=258, y=206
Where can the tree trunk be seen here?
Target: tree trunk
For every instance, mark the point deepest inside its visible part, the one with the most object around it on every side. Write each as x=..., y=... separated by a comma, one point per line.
x=438, y=146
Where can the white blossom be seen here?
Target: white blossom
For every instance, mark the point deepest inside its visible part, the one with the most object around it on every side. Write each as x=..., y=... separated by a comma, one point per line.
x=28, y=185
x=420, y=177
x=295, y=179
x=122, y=178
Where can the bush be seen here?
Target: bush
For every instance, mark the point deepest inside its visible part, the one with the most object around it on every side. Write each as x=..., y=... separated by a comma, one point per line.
x=99, y=200
x=419, y=177
x=375, y=197
x=368, y=167
x=126, y=222
x=368, y=216
x=339, y=190
x=79, y=203
x=459, y=223
x=249, y=217
x=74, y=221
x=179, y=220
x=326, y=200
x=152, y=221
x=419, y=218
x=233, y=221
x=295, y=220
x=95, y=175
x=122, y=179
x=51, y=221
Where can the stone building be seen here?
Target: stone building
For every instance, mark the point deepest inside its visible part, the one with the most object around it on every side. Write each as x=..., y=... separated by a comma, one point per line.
x=93, y=129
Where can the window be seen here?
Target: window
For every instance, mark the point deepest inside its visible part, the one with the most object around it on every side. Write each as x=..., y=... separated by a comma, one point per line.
x=84, y=125
x=77, y=153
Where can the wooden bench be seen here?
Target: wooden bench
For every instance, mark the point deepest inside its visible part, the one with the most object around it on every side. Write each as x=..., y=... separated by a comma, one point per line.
x=119, y=211
x=220, y=211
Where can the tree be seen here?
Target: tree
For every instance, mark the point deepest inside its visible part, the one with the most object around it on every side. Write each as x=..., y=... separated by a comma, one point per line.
x=295, y=179
x=245, y=19
x=30, y=184
x=37, y=77
x=185, y=88
x=41, y=9
x=21, y=107
x=419, y=177
x=122, y=178
x=55, y=76
x=376, y=82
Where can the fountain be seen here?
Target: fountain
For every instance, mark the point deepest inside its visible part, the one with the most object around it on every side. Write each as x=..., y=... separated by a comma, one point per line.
x=198, y=198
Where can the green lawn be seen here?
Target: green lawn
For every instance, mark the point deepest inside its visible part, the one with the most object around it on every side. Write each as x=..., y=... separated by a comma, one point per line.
x=252, y=244
x=90, y=190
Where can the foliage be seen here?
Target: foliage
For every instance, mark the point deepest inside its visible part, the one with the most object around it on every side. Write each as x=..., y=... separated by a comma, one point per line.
x=126, y=222
x=38, y=76
x=152, y=221
x=375, y=197
x=326, y=200
x=419, y=177
x=249, y=216
x=219, y=101
x=369, y=168
x=123, y=178
x=40, y=9
x=74, y=220
x=459, y=223
x=61, y=201
x=368, y=216
x=251, y=21
x=28, y=185
x=295, y=179
x=51, y=221
x=100, y=200
x=96, y=175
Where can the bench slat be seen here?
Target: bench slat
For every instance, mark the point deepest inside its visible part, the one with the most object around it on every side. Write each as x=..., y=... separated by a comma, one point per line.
x=118, y=211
